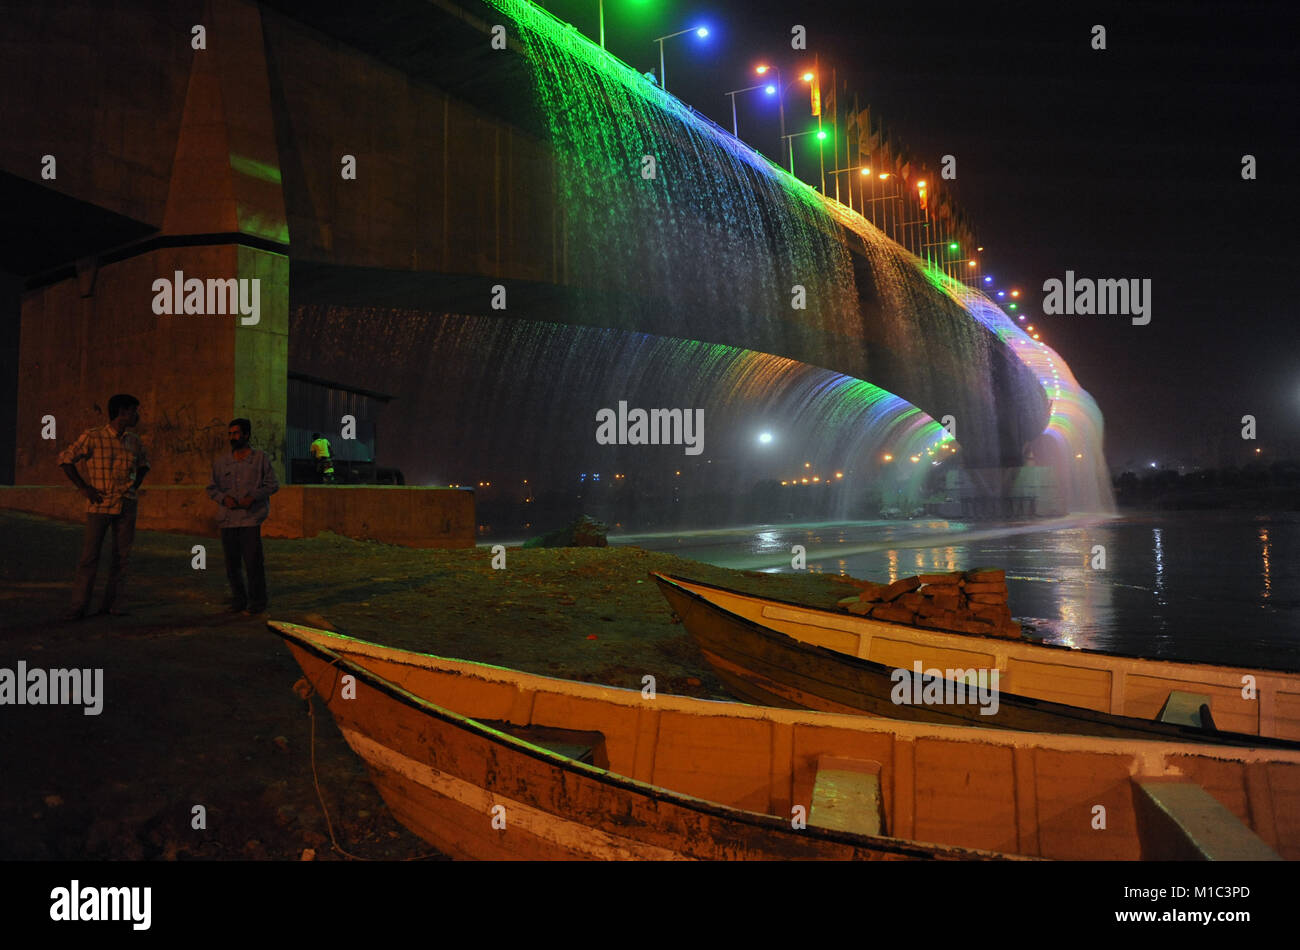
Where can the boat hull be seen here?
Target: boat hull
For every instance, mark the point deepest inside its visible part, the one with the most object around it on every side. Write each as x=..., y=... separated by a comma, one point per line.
x=666, y=776
x=473, y=794
x=822, y=659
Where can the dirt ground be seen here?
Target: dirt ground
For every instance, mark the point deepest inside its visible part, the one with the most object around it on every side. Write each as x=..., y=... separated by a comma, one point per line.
x=198, y=706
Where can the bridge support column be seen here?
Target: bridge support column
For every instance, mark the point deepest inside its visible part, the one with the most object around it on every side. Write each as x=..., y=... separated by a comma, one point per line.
x=192, y=372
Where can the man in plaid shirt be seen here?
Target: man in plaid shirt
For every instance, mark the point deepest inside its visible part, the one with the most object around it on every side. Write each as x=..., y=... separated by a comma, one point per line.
x=115, y=465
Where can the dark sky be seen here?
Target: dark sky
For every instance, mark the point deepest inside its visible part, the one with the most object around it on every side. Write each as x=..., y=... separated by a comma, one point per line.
x=1119, y=163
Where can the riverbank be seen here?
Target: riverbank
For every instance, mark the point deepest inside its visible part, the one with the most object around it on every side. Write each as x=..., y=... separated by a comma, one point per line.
x=198, y=710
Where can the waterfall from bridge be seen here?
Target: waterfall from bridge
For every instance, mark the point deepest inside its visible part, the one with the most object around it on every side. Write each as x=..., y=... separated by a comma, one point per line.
x=656, y=196
x=515, y=400
x=708, y=229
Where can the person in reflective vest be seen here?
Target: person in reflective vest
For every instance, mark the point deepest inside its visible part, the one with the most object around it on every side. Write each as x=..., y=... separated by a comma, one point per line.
x=320, y=451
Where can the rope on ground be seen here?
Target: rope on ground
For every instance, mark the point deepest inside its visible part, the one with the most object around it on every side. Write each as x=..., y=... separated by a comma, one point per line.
x=315, y=777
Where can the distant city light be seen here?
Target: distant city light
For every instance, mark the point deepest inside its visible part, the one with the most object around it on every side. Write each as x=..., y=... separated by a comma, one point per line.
x=702, y=31
x=765, y=438
x=988, y=280
x=807, y=77
x=821, y=134
x=770, y=89
x=762, y=69
x=888, y=457
x=1002, y=293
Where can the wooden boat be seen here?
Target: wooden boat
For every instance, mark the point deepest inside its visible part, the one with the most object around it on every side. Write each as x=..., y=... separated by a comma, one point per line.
x=587, y=771
x=762, y=665
x=1258, y=702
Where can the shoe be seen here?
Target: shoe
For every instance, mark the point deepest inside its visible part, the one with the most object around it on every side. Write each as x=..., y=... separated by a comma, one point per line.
x=76, y=614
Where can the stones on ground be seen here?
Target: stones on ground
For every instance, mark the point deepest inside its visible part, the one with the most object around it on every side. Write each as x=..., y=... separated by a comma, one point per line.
x=585, y=532
x=904, y=585
x=940, y=579
x=912, y=601
x=973, y=602
x=893, y=614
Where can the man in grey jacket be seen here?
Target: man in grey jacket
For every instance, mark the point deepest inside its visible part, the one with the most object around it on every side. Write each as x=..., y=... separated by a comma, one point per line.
x=242, y=481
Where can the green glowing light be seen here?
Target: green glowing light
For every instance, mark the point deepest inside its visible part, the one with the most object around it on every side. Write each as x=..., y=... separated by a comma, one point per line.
x=262, y=171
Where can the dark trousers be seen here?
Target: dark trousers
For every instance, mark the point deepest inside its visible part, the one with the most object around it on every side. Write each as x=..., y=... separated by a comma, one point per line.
x=243, y=548
x=123, y=529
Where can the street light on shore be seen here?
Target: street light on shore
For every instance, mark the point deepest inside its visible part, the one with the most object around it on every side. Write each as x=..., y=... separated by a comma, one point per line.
x=700, y=31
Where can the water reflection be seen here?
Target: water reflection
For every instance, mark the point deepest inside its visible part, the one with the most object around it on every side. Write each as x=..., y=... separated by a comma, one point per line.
x=1174, y=585
x=1160, y=565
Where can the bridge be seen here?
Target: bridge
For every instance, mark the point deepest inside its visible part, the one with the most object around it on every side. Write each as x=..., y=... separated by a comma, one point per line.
x=130, y=155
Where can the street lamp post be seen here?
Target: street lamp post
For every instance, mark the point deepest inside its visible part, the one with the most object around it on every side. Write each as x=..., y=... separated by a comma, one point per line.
x=865, y=170
x=734, y=127
x=821, y=137
x=663, y=78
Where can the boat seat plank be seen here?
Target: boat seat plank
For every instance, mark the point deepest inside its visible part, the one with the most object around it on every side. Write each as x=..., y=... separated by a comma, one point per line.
x=1181, y=821
x=846, y=795
x=1187, y=709
x=579, y=745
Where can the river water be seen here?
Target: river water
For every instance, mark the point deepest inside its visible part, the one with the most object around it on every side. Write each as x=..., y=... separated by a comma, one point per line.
x=1220, y=587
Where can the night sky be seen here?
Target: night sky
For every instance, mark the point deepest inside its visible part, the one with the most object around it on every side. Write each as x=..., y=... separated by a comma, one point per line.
x=1119, y=163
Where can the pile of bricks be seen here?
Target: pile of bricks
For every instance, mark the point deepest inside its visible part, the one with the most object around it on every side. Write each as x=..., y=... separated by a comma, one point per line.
x=961, y=602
